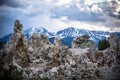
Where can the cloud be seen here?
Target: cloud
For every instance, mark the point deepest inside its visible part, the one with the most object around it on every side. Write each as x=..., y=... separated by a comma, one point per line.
x=7, y=17
x=55, y=24
x=38, y=7
x=60, y=14
x=110, y=14
x=12, y=3
x=111, y=8
x=75, y=11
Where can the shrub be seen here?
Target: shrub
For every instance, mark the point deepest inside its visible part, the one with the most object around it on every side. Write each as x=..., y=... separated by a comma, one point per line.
x=45, y=78
x=11, y=74
x=103, y=44
x=17, y=75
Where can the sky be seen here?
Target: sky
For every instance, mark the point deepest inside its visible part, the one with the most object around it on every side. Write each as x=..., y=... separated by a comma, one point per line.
x=55, y=15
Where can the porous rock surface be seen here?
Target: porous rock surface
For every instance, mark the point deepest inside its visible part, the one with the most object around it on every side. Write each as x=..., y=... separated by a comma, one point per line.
x=39, y=59
x=83, y=42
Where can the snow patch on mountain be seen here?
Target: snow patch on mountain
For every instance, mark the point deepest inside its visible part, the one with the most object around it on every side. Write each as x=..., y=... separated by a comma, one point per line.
x=39, y=30
x=67, y=35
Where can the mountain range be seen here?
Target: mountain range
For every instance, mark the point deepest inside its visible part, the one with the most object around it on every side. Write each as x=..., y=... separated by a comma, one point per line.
x=67, y=35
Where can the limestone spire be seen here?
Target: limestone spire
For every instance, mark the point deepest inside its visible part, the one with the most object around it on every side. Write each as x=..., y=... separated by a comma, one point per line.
x=17, y=26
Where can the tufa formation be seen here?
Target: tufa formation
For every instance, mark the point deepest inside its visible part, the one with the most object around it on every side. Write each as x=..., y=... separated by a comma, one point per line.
x=40, y=60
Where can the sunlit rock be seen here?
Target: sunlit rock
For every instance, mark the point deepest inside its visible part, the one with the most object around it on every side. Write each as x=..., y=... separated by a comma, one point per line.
x=83, y=42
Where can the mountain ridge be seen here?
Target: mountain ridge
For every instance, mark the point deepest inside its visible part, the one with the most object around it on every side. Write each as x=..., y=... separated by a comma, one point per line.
x=67, y=35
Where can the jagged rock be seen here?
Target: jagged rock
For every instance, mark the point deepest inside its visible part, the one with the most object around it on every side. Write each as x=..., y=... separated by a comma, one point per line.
x=108, y=59
x=37, y=41
x=114, y=47
x=113, y=40
x=50, y=58
x=85, y=64
x=17, y=26
x=83, y=42
x=57, y=42
x=41, y=60
x=6, y=64
x=6, y=59
x=21, y=53
x=18, y=45
x=39, y=46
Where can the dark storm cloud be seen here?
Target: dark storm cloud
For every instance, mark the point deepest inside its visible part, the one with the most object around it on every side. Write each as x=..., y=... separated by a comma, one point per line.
x=11, y=3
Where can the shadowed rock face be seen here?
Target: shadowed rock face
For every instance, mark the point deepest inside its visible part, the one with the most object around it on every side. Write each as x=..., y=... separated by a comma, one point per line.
x=1, y=45
x=114, y=49
x=83, y=42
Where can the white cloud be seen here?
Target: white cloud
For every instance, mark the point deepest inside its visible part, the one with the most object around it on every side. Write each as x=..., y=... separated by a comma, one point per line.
x=59, y=14
x=40, y=12
x=63, y=2
x=55, y=24
x=96, y=9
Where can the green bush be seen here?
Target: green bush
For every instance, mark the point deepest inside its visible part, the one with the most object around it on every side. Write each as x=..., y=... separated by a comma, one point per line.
x=11, y=74
x=103, y=44
x=17, y=75
x=74, y=78
x=5, y=74
x=45, y=78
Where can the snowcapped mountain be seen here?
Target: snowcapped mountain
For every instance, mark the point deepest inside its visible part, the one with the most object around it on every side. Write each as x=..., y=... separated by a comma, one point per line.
x=38, y=30
x=5, y=38
x=74, y=32
x=67, y=35
x=71, y=32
